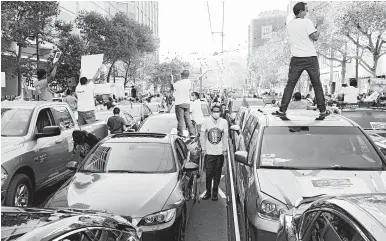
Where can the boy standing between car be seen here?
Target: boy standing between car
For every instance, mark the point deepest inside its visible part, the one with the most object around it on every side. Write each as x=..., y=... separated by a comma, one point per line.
x=182, y=103
x=301, y=34
x=116, y=123
x=214, y=142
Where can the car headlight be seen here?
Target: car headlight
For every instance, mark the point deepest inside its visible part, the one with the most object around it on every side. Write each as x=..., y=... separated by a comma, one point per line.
x=4, y=175
x=270, y=208
x=158, y=218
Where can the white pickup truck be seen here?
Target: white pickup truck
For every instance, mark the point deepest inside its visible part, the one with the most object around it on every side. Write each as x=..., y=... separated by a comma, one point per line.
x=36, y=145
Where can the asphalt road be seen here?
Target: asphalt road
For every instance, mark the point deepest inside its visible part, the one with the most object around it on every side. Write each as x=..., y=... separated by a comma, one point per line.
x=208, y=220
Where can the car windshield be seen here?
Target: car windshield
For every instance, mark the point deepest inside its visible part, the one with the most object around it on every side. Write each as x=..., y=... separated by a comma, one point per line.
x=15, y=121
x=153, y=107
x=157, y=125
x=134, y=110
x=130, y=158
x=317, y=148
x=368, y=119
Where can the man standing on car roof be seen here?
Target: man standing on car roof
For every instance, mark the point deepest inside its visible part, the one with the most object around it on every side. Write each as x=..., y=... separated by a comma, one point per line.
x=301, y=34
x=214, y=142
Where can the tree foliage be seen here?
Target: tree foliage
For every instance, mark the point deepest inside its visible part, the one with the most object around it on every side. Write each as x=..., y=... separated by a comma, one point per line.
x=22, y=21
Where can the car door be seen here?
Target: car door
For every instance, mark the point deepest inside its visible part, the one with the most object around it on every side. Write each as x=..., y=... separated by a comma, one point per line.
x=332, y=226
x=245, y=172
x=65, y=142
x=147, y=112
x=47, y=151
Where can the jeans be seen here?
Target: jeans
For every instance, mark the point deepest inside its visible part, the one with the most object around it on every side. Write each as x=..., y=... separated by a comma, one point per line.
x=86, y=117
x=183, y=119
x=213, y=167
x=296, y=68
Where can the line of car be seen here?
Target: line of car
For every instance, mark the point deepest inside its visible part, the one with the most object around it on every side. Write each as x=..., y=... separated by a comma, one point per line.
x=278, y=163
x=148, y=177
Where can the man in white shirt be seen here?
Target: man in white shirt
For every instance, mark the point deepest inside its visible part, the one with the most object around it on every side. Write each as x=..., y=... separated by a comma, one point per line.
x=350, y=94
x=86, y=102
x=195, y=108
x=301, y=34
x=182, y=103
x=214, y=143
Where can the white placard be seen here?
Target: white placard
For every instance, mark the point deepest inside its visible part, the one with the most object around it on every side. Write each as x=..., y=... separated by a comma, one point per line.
x=90, y=65
x=2, y=79
x=266, y=32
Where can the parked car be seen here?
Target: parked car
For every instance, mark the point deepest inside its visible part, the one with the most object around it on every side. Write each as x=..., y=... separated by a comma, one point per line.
x=284, y=160
x=36, y=145
x=24, y=224
x=358, y=217
x=130, y=121
x=139, y=111
x=145, y=176
x=234, y=106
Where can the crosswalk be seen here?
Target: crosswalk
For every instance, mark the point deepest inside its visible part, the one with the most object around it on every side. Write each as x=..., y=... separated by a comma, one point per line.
x=221, y=188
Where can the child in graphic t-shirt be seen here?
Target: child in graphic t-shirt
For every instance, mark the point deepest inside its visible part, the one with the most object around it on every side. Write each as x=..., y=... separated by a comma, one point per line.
x=214, y=142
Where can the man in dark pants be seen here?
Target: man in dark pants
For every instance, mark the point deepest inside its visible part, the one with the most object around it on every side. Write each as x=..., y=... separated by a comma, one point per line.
x=214, y=142
x=182, y=103
x=301, y=34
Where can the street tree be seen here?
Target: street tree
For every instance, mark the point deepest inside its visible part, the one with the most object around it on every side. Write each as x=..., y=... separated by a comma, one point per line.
x=18, y=25
x=161, y=74
x=364, y=24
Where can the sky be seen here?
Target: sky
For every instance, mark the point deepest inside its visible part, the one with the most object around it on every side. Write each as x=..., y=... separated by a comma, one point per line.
x=184, y=24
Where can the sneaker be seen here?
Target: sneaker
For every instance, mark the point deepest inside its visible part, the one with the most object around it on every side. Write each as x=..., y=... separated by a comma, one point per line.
x=207, y=196
x=323, y=115
x=192, y=136
x=279, y=113
x=215, y=197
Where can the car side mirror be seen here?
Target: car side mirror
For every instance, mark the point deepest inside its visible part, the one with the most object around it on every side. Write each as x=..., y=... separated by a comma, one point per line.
x=131, y=130
x=72, y=165
x=190, y=167
x=241, y=157
x=49, y=131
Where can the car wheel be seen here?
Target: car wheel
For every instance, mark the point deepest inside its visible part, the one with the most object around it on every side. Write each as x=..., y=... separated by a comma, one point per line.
x=19, y=192
x=179, y=227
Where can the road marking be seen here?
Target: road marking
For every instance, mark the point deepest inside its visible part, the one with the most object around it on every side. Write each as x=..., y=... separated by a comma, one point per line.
x=203, y=194
x=222, y=176
x=235, y=221
x=221, y=193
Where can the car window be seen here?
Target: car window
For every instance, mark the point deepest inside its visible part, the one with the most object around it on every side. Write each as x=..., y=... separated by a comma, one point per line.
x=15, y=121
x=147, y=110
x=63, y=117
x=331, y=227
x=248, y=131
x=44, y=119
x=134, y=110
x=183, y=147
x=180, y=153
x=367, y=119
x=104, y=234
x=252, y=147
x=318, y=147
x=130, y=157
x=153, y=107
x=79, y=236
x=157, y=125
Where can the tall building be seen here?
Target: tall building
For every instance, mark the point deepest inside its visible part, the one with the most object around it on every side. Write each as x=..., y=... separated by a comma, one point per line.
x=260, y=30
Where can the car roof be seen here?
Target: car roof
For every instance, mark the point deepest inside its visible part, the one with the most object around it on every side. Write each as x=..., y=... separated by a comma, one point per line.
x=163, y=116
x=363, y=109
x=300, y=118
x=28, y=104
x=139, y=137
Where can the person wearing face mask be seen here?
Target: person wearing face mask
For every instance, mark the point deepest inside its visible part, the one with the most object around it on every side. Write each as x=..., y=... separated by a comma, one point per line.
x=302, y=34
x=214, y=143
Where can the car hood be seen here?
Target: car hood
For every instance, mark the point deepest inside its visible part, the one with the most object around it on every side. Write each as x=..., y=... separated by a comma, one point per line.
x=289, y=185
x=135, y=195
x=11, y=143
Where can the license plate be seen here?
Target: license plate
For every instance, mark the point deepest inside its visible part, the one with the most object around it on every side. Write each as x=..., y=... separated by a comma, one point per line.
x=351, y=106
x=378, y=125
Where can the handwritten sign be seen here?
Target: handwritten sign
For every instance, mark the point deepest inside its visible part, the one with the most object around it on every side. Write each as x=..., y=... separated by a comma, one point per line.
x=90, y=65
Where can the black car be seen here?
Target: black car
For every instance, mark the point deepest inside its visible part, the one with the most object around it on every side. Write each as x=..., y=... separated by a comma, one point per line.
x=25, y=224
x=144, y=176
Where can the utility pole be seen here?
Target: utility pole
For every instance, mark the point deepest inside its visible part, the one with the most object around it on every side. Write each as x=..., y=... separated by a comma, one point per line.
x=222, y=30
x=200, y=80
x=357, y=63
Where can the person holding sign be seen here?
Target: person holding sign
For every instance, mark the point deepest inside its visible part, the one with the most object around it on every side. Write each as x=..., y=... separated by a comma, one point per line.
x=41, y=84
x=86, y=103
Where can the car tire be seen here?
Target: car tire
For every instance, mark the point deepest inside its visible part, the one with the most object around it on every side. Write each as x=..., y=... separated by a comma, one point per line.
x=179, y=227
x=20, y=185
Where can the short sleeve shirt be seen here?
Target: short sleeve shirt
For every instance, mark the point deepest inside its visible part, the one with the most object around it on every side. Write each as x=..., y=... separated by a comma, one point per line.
x=41, y=87
x=298, y=32
x=214, y=134
x=115, y=124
